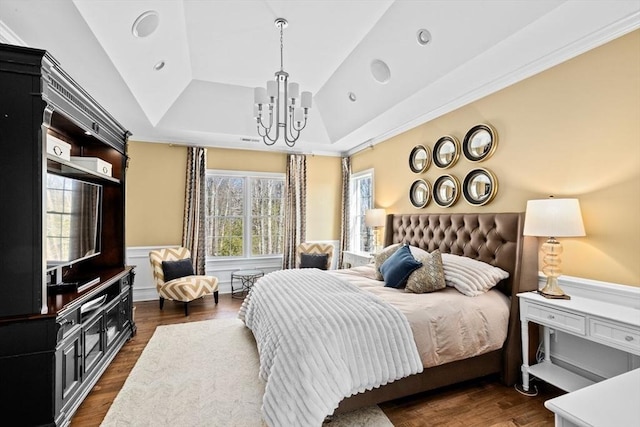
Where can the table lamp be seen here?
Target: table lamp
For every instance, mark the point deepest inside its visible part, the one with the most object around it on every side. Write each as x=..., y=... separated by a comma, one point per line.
x=375, y=218
x=553, y=218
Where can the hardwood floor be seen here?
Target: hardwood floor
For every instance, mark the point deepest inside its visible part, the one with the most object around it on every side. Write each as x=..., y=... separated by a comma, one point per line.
x=482, y=403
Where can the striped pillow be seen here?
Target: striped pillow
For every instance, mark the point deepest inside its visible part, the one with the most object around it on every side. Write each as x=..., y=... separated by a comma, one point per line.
x=469, y=276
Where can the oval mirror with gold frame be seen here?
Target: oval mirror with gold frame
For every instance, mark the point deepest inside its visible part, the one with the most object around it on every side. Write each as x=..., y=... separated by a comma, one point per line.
x=480, y=186
x=420, y=193
x=446, y=190
x=419, y=159
x=479, y=143
x=446, y=152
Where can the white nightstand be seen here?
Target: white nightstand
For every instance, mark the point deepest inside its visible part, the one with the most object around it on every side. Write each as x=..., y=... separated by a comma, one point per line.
x=607, y=323
x=617, y=403
x=355, y=259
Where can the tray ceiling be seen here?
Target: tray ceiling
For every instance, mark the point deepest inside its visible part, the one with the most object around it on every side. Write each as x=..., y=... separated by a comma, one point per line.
x=215, y=52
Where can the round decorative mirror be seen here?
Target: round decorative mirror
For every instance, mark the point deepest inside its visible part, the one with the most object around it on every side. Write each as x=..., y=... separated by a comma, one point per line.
x=446, y=190
x=419, y=159
x=446, y=152
x=480, y=187
x=420, y=193
x=479, y=143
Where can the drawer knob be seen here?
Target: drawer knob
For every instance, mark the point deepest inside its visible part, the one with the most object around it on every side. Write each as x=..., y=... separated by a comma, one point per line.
x=551, y=316
x=628, y=338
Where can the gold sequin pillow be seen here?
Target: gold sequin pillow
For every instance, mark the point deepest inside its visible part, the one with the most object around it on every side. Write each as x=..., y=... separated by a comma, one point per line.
x=429, y=277
x=383, y=256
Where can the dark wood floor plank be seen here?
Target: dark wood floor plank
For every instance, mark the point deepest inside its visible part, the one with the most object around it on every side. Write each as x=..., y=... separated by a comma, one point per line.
x=480, y=403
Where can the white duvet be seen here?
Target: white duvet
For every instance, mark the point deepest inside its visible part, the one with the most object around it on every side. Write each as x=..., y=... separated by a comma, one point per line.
x=322, y=339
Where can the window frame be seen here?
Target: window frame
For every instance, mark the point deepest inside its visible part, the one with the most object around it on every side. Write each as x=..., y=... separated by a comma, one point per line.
x=353, y=237
x=247, y=214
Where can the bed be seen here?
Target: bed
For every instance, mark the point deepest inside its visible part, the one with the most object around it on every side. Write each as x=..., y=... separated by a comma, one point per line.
x=495, y=239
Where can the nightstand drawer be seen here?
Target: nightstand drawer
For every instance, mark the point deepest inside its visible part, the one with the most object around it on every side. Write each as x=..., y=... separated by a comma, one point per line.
x=557, y=319
x=617, y=335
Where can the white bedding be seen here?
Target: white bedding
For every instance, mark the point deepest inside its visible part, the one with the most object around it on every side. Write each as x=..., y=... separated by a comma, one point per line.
x=322, y=339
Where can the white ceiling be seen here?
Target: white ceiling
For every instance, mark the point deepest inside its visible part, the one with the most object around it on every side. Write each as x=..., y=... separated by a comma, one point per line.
x=216, y=51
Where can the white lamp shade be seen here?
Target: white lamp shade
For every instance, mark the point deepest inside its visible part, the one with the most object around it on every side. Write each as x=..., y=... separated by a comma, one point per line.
x=294, y=90
x=305, y=102
x=553, y=218
x=375, y=218
x=272, y=88
x=298, y=115
x=260, y=96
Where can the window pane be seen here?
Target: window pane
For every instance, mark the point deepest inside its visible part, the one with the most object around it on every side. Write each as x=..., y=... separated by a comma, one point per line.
x=226, y=239
x=267, y=198
x=231, y=214
x=361, y=200
x=224, y=211
x=266, y=235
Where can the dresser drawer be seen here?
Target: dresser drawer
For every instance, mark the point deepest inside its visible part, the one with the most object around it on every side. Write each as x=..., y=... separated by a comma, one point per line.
x=558, y=319
x=616, y=335
x=67, y=322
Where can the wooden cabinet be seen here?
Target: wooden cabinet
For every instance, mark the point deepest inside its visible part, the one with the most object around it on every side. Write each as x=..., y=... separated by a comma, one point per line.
x=55, y=346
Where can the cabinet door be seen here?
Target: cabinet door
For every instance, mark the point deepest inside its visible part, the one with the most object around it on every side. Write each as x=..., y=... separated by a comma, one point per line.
x=93, y=339
x=68, y=367
x=126, y=309
x=113, y=322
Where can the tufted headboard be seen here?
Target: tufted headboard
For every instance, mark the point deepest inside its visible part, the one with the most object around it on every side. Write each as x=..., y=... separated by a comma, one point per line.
x=495, y=238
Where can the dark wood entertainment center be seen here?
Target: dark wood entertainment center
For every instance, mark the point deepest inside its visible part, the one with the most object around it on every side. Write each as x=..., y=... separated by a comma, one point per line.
x=54, y=346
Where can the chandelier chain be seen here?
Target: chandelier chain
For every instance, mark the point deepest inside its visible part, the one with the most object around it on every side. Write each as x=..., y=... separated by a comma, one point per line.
x=281, y=48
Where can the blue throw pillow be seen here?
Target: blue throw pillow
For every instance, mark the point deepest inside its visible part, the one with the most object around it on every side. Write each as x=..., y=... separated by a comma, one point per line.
x=176, y=269
x=398, y=267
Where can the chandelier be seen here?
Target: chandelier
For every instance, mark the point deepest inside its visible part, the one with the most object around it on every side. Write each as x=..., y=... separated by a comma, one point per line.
x=281, y=94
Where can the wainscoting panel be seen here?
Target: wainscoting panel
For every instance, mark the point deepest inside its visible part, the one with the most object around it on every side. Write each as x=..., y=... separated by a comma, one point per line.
x=145, y=289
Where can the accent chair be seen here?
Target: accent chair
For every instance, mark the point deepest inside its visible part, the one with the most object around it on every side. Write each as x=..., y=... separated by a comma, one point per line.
x=185, y=288
x=311, y=248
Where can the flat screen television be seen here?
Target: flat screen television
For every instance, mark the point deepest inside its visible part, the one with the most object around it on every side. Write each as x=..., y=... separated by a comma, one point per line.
x=73, y=220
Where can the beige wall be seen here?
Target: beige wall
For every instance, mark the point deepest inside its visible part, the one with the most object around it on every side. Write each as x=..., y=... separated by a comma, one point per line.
x=156, y=180
x=571, y=131
x=324, y=181
x=155, y=194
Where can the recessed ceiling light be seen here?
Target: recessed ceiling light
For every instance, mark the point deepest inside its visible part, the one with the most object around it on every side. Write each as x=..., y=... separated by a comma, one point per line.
x=380, y=71
x=145, y=24
x=352, y=97
x=424, y=36
x=159, y=65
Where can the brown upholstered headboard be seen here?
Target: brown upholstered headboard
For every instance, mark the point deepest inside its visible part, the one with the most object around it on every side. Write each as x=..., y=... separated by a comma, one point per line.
x=495, y=238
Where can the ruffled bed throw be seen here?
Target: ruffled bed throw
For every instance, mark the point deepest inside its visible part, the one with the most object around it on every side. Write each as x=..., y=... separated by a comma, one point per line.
x=321, y=339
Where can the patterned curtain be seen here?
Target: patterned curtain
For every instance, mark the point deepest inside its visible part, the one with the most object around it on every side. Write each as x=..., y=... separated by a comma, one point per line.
x=344, y=226
x=193, y=228
x=295, y=204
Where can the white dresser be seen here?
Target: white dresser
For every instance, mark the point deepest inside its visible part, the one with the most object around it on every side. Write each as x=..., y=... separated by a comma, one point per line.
x=612, y=402
x=355, y=259
x=587, y=317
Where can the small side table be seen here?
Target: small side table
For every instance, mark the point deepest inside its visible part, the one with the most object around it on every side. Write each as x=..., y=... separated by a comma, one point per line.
x=247, y=279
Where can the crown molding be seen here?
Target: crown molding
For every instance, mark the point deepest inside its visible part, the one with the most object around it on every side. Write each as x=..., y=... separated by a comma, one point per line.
x=8, y=36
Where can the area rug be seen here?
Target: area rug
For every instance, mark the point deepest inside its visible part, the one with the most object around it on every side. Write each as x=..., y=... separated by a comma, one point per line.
x=203, y=374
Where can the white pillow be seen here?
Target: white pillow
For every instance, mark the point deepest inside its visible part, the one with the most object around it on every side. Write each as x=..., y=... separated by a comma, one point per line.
x=469, y=276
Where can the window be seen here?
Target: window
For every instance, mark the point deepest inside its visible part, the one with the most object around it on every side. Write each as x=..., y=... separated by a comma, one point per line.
x=244, y=214
x=360, y=200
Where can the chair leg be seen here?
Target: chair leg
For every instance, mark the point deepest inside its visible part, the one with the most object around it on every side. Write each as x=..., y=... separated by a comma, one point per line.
x=186, y=308
x=161, y=303
x=215, y=296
